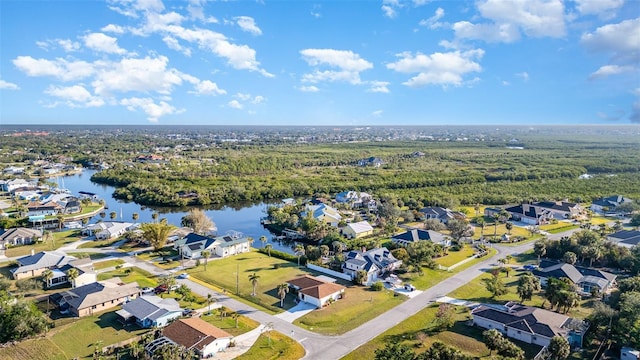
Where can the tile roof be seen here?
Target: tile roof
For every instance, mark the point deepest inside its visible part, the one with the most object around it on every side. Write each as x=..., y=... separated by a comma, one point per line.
x=193, y=333
x=315, y=287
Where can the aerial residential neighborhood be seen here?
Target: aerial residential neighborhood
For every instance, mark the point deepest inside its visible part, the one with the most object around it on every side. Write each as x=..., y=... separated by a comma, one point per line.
x=527, y=279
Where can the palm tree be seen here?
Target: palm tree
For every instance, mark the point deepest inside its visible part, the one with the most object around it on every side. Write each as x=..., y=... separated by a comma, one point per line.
x=47, y=275
x=136, y=349
x=268, y=247
x=254, y=281
x=205, y=255
x=60, y=219
x=154, y=216
x=72, y=275
x=283, y=289
x=509, y=226
x=263, y=240
x=235, y=316
x=48, y=236
x=482, y=224
x=135, y=216
x=210, y=300
x=299, y=250
x=113, y=215
x=495, y=224
x=540, y=249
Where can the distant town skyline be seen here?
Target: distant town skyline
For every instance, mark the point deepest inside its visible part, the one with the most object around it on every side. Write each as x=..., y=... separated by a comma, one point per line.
x=351, y=63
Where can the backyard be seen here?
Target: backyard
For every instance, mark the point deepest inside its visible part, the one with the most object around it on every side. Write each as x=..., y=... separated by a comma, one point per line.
x=228, y=323
x=131, y=274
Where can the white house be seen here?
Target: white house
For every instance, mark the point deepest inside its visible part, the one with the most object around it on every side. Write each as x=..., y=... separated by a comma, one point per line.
x=355, y=199
x=529, y=324
x=324, y=213
x=107, y=229
x=316, y=291
x=193, y=334
x=151, y=311
x=374, y=262
x=230, y=245
x=18, y=236
x=357, y=230
x=192, y=245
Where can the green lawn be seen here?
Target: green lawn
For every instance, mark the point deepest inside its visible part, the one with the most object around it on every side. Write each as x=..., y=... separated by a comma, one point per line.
x=431, y=277
x=80, y=337
x=158, y=258
x=454, y=257
x=224, y=273
x=597, y=220
x=501, y=229
x=61, y=238
x=359, y=305
x=142, y=277
x=558, y=227
x=280, y=347
x=228, y=324
x=98, y=243
x=107, y=264
x=36, y=349
x=461, y=336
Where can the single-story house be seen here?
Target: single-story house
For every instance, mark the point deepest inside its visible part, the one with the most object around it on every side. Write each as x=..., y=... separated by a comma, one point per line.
x=606, y=204
x=584, y=278
x=84, y=267
x=18, y=236
x=627, y=238
x=541, y=212
x=371, y=161
x=441, y=214
x=324, y=213
x=357, y=230
x=416, y=235
x=529, y=324
x=35, y=264
x=316, y=291
x=96, y=297
x=151, y=311
x=107, y=229
x=375, y=262
x=192, y=245
x=194, y=334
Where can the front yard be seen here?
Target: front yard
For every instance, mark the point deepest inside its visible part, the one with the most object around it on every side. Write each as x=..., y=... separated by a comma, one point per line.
x=228, y=323
x=131, y=274
x=274, y=346
x=60, y=239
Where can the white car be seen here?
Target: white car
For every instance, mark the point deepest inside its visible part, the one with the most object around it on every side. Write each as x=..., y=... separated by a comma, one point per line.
x=147, y=290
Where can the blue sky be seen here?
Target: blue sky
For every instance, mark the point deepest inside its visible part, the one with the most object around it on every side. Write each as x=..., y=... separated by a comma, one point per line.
x=339, y=62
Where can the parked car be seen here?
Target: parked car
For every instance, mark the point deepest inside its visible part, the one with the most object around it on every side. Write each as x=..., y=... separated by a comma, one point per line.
x=147, y=290
x=183, y=276
x=530, y=267
x=160, y=289
x=409, y=287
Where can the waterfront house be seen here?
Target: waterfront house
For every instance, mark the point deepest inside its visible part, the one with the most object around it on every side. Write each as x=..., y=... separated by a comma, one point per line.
x=375, y=262
x=355, y=199
x=315, y=290
x=105, y=230
x=35, y=208
x=151, y=311
x=324, y=213
x=192, y=245
x=529, y=324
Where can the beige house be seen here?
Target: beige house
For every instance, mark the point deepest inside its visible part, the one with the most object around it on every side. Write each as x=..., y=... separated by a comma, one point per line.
x=357, y=230
x=35, y=264
x=316, y=291
x=92, y=298
x=193, y=334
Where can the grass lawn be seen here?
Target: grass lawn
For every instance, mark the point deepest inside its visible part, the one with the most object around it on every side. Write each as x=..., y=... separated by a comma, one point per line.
x=558, y=227
x=502, y=229
x=80, y=337
x=228, y=324
x=142, y=277
x=198, y=301
x=163, y=258
x=454, y=257
x=281, y=348
x=107, y=264
x=359, y=305
x=36, y=349
x=61, y=238
x=98, y=243
x=223, y=273
x=431, y=277
x=470, y=211
x=597, y=220
x=421, y=325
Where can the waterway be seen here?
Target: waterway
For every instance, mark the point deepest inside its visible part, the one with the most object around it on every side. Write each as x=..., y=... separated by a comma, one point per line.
x=243, y=218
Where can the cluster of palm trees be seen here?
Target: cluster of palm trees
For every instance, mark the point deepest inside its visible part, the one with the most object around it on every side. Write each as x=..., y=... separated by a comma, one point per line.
x=72, y=275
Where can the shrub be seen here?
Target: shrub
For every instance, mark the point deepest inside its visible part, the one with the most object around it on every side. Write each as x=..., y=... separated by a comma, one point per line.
x=377, y=286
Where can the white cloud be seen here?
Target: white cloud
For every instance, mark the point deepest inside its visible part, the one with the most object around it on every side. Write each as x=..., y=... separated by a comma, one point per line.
x=389, y=8
x=349, y=65
x=248, y=24
x=505, y=83
x=602, y=8
x=438, y=68
x=258, y=99
x=74, y=96
x=5, y=85
x=379, y=87
x=377, y=113
x=609, y=70
x=508, y=19
x=432, y=22
x=103, y=43
x=58, y=68
x=154, y=111
x=66, y=44
x=243, y=97
x=488, y=32
x=618, y=38
x=139, y=75
x=173, y=44
x=111, y=28
x=207, y=87
x=235, y=104
x=309, y=88
x=523, y=75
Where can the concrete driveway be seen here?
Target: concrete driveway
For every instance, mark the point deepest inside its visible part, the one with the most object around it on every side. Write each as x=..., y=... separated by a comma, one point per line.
x=302, y=309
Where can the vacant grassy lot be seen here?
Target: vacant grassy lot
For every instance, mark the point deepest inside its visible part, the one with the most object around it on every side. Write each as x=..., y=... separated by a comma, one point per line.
x=79, y=338
x=228, y=324
x=489, y=230
x=107, y=264
x=359, y=305
x=558, y=227
x=36, y=349
x=272, y=347
x=60, y=239
x=98, y=243
x=431, y=277
x=454, y=257
x=421, y=325
x=272, y=271
x=131, y=274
